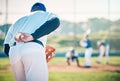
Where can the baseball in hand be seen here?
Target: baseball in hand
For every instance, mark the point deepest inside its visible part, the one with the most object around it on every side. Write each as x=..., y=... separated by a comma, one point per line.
x=18, y=36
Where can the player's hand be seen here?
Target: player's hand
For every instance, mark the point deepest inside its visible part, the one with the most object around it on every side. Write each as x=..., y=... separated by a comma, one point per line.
x=26, y=37
x=23, y=37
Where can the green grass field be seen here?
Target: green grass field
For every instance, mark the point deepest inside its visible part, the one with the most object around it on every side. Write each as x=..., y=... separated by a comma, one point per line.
x=6, y=75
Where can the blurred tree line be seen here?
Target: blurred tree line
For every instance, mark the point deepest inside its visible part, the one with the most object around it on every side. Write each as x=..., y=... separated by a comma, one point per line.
x=69, y=33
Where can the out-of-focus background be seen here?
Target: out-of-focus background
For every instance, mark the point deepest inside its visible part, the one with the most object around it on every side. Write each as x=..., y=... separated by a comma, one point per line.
x=101, y=17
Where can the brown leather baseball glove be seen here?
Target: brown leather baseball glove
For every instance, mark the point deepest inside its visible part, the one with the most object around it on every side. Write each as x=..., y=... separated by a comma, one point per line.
x=50, y=52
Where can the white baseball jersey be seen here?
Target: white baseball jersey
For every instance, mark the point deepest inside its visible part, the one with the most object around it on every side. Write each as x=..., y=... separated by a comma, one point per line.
x=28, y=24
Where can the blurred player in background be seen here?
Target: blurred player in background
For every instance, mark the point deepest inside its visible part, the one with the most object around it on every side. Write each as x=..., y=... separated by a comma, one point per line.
x=103, y=48
x=86, y=43
x=72, y=55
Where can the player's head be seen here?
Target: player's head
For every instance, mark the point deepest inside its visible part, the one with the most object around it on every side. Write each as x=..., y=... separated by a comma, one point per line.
x=71, y=48
x=86, y=36
x=38, y=6
x=99, y=43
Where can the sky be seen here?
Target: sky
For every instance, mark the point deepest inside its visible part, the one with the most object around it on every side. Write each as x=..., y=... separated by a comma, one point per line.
x=69, y=10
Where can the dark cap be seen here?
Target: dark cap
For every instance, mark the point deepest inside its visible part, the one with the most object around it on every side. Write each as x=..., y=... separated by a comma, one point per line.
x=38, y=6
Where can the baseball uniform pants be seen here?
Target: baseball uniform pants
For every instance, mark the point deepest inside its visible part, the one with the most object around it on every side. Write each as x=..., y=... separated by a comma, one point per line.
x=88, y=53
x=28, y=62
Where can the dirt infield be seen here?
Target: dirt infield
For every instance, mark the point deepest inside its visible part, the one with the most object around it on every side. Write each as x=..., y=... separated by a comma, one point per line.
x=63, y=67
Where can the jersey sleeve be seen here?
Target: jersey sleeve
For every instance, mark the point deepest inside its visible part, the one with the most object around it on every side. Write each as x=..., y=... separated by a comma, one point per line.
x=48, y=27
x=83, y=44
x=9, y=35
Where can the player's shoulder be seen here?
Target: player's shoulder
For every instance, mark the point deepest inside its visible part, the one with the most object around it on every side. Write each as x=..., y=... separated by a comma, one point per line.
x=51, y=15
x=21, y=19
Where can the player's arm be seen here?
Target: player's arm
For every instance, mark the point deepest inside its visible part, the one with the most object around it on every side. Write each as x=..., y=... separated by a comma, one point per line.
x=83, y=43
x=8, y=37
x=6, y=49
x=48, y=27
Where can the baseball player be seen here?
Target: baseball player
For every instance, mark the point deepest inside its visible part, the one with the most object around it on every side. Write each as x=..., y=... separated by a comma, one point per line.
x=88, y=51
x=103, y=51
x=72, y=55
x=28, y=59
